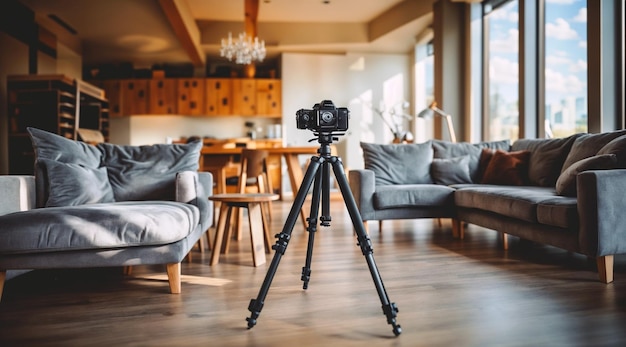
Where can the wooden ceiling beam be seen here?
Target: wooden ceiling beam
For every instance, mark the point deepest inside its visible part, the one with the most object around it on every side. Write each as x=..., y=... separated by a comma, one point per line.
x=184, y=26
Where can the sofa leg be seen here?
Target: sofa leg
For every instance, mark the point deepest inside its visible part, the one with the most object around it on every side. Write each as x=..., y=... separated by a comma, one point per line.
x=458, y=229
x=505, y=241
x=128, y=270
x=380, y=226
x=605, y=268
x=173, y=276
x=3, y=276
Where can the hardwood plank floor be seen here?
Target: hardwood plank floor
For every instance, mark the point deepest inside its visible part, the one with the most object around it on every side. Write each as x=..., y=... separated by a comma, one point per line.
x=449, y=292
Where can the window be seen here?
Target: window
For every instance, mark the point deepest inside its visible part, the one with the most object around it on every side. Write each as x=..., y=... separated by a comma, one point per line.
x=502, y=68
x=565, y=67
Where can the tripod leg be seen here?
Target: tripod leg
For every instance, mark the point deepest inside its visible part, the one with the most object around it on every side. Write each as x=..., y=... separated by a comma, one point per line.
x=312, y=227
x=256, y=305
x=389, y=309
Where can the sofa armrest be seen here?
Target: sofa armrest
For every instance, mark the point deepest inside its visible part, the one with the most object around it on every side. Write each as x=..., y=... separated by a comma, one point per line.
x=195, y=188
x=18, y=193
x=601, y=207
x=363, y=186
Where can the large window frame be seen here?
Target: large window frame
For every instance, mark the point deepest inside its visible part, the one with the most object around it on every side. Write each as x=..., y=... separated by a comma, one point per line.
x=605, y=59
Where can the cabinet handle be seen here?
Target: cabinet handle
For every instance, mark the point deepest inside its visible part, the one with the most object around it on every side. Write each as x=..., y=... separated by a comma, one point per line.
x=245, y=98
x=131, y=86
x=160, y=102
x=271, y=86
x=193, y=104
x=194, y=84
x=183, y=97
x=141, y=93
x=187, y=84
x=225, y=101
x=218, y=85
x=211, y=108
x=160, y=84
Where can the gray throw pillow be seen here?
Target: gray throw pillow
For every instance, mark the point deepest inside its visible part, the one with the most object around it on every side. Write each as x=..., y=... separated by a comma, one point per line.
x=546, y=158
x=566, y=184
x=618, y=147
x=53, y=147
x=587, y=145
x=399, y=163
x=75, y=184
x=148, y=172
x=447, y=150
x=451, y=171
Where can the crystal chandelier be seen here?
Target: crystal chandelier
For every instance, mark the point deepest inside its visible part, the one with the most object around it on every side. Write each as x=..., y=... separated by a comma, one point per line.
x=245, y=50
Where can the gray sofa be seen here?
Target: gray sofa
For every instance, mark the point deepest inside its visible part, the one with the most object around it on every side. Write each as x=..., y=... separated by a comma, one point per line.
x=102, y=206
x=564, y=192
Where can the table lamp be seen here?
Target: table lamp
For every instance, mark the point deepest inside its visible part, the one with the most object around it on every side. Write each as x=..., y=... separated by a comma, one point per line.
x=431, y=110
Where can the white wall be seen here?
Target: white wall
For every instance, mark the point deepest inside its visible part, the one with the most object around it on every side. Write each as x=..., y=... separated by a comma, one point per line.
x=310, y=78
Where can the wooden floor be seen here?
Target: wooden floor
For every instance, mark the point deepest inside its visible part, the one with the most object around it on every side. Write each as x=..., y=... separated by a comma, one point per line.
x=449, y=292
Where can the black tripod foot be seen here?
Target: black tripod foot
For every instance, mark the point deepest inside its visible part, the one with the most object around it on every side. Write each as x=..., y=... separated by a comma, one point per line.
x=255, y=309
x=391, y=311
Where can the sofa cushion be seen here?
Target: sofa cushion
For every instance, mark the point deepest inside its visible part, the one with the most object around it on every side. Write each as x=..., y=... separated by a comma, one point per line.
x=546, y=158
x=506, y=168
x=451, y=171
x=587, y=145
x=399, y=163
x=73, y=184
x=148, y=172
x=560, y=212
x=134, y=172
x=97, y=226
x=510, y=201
x=413, y=195
x=566, y=184
x=617, y=146
x=447, y=149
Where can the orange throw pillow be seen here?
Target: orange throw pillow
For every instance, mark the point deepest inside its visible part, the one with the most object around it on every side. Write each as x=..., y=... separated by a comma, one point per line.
x=506, y=168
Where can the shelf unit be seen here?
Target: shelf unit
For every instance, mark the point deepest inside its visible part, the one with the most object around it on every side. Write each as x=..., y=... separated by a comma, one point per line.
x=55, y=103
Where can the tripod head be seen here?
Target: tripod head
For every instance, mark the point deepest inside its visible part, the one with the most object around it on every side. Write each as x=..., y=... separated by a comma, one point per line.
x=325, y=139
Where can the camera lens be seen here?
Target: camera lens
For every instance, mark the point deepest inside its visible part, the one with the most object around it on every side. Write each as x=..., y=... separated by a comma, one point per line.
x=327, y=117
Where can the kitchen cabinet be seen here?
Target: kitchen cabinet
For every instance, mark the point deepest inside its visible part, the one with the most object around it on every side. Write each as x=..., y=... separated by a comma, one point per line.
x=244, y=96
x=218, y=96
x=190, y=96
x=268, y=97
x=162, y=96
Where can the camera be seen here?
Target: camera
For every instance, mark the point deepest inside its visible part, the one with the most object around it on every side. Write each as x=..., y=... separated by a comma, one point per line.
x=324, y=117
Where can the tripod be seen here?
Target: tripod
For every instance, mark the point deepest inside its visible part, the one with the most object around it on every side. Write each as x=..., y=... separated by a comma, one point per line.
x=319, y=171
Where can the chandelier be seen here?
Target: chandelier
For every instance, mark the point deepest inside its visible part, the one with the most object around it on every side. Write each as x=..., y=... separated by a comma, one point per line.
x=245, y=50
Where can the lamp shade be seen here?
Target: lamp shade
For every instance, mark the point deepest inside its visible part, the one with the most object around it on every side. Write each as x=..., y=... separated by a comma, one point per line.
x=426, y=113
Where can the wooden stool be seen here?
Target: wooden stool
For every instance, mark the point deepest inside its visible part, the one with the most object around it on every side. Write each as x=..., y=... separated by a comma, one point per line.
x=259, y=232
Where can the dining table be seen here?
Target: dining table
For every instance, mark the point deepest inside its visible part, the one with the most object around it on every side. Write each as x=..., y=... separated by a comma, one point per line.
x=216, y=159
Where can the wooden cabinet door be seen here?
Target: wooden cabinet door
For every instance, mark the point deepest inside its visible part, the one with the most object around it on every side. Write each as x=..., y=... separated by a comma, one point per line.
x=244, y=96
x=191, y=96
x=134, y=98
x=218, y=100
x=162, y=93
x=268, y=98
x=112, y=91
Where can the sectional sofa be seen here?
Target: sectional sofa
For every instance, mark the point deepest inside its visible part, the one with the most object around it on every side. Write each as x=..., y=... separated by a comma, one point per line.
x=565, y=192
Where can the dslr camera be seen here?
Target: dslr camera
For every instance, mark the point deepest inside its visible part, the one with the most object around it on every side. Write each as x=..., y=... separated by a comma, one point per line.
x=324, y=117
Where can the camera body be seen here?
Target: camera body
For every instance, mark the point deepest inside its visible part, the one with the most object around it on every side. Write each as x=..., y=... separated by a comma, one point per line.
x=324, y=117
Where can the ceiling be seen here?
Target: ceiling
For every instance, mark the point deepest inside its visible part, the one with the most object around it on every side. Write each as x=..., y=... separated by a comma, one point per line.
x=142, y=31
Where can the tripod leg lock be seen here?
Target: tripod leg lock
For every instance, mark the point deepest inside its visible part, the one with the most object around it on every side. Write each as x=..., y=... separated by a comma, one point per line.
x=366, y=245
x=281, y=243
x=391, y=311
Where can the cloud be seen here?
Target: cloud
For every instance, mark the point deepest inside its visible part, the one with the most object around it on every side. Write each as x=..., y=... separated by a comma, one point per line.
x=503, y=14
x=578, y=66
x=508, y=44
x=581, y=17
x=556, y=82
x=502, y=70
x=560, y=30
x=560, y=58
x=582, y=44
